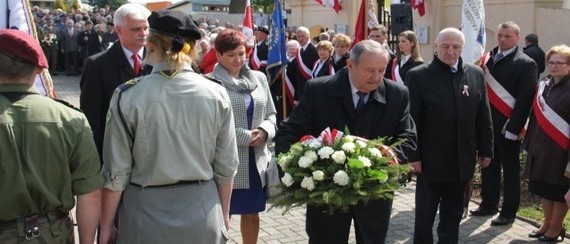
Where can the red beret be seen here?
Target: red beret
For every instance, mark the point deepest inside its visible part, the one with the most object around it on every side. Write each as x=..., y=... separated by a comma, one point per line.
x=20, y=45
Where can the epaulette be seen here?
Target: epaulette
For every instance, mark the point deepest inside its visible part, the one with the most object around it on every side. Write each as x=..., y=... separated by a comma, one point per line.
x=211, y=78
x=67, y=104
x=130, y=83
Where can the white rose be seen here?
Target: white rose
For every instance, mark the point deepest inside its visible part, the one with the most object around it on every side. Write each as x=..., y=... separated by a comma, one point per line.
x=375, y=152
x=315, y=144
x=361, y=144
x=348, y=147
x=319, y=175
x=287, y=180
x=305, y=162
x=341, y=178
x=325, y=152
x=339, y=157
x=284, y=161
x=311, y=155
x=308, y=183
x=365, y=161
x=348, y=138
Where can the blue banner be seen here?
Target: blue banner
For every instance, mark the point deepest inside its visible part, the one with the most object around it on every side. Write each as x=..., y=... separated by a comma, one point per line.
x=277, y=57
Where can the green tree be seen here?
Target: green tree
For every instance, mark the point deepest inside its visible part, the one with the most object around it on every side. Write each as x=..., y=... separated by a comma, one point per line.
x=114, y=4
x=61, y=5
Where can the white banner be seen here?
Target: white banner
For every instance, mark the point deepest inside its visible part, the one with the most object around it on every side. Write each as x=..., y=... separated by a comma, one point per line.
x=473, y=27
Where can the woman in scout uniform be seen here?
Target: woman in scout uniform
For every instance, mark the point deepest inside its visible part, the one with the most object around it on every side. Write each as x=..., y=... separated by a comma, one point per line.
x=169, y=146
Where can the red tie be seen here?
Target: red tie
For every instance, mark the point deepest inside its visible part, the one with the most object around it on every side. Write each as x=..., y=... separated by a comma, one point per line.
x=136, y=64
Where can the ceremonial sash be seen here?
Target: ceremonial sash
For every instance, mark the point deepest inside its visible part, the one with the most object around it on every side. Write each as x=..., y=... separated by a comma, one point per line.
x=331, y=69
x=499, y=97
x=289, y=90
x=303, y=69
x=555, y=126
x=255, y=62
x=396, y=72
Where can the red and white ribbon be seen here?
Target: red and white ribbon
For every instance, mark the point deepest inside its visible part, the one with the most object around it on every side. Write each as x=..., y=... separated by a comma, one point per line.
x=555, y=126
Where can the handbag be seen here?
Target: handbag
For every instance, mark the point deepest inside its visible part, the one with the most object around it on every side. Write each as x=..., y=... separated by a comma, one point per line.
x=272, y=180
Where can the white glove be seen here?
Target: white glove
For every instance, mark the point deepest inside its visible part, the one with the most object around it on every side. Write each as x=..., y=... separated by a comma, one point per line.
x=511, y=136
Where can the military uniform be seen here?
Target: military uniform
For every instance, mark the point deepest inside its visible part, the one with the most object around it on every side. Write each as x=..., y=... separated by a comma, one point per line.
x=48, y=155
x=169, y=140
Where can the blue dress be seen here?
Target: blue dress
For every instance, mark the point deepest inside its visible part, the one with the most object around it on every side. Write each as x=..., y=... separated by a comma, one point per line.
x=252, y=200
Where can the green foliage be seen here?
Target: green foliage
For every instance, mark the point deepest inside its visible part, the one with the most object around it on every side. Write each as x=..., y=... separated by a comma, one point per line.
x=62, y=5
x=113, y=4
x=344, y=173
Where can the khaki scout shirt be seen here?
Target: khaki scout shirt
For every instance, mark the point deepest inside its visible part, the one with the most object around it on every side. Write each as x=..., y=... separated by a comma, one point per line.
x=183, y=130
x=47, y=155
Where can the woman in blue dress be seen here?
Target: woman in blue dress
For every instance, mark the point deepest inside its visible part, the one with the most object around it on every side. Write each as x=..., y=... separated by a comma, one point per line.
x=254, y=116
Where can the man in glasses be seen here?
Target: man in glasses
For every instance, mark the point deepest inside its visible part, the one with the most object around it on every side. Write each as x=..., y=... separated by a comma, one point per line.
x=511, y=76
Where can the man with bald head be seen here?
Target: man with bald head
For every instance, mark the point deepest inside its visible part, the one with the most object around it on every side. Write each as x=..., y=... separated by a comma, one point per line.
x=449, y=105
x=361, y=99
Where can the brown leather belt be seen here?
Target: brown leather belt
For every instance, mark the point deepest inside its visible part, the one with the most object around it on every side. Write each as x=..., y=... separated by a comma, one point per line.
x=12, y=224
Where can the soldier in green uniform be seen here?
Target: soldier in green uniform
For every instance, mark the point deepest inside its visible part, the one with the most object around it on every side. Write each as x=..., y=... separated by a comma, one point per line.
x=47, y=155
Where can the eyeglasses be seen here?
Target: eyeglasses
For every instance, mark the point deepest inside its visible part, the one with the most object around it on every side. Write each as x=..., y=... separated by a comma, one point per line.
x=556, y=64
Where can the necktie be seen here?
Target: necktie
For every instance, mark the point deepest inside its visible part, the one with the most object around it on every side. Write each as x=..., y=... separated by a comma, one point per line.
x=453, y=69
x=360, y=103
x=497, y=57
x=70, y=32
x=136, y=63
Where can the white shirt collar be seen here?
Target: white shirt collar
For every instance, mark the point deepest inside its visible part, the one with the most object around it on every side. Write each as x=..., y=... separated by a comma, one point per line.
x=507, y=52
x=128, y=54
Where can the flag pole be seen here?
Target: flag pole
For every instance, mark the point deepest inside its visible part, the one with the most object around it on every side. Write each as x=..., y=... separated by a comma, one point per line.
x=283, y=93
x=365, y=26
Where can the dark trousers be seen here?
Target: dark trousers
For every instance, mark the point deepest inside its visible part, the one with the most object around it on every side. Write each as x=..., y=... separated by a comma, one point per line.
x=371, y=223
x=449, y=197
x=507, y=158
x=72, y=59
x=51, y=56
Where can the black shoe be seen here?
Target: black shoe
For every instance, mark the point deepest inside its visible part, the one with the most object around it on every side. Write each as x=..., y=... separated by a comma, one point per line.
x=480, y=211
x=555, y=239
x=535, y=234
x=502, y=221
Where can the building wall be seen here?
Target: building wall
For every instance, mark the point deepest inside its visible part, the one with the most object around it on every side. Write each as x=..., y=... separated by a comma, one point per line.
x=547, y=18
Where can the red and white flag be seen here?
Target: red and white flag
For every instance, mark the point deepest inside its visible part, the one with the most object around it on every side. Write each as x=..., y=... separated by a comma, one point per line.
x=247, y=25
x=334, y=4
x=419, y=6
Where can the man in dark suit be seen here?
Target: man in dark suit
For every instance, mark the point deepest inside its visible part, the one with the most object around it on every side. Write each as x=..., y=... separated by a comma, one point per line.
x=304, y=61
x=513, y=77
x=70, y=48
x=448, y=101
x=107, y=70
x=332, y=102
x=535, y=52
x=258, y=58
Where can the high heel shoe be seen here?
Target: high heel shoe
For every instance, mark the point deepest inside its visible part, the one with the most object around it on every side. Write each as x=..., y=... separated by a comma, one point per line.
x=545, y=238
x=535, y=234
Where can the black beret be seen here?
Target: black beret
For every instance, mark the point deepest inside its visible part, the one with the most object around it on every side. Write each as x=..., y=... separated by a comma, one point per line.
x=173, y=22
x=263, y=29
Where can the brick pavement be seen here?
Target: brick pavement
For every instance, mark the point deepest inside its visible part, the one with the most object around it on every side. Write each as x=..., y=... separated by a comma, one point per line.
x=290, y=228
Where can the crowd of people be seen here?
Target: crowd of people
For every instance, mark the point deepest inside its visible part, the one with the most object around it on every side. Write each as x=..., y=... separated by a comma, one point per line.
x=178, y=115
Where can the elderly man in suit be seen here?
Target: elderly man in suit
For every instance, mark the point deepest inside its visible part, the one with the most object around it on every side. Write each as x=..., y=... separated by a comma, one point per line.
x=107, y=70
x=304, y=60
x=360, y=99
x=448, y=102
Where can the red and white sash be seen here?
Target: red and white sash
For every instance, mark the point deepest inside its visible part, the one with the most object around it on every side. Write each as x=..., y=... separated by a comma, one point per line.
x=499, y=97
x=555, y=126
x=289, y=90
x=305, y=71
x=396, y=72
x=255, y=62
x=331, y=69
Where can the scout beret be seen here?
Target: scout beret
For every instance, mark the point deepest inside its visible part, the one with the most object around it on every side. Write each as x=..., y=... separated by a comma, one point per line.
x=21, y=46
x=173, y=22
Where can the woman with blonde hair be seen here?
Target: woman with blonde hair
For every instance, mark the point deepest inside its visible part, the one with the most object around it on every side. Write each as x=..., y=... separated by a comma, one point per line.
x=341, y=43
x=324, y=65
x=547, y=144
x=255, y=125
x=169, y=147
x=407, y=56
